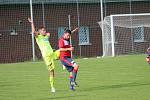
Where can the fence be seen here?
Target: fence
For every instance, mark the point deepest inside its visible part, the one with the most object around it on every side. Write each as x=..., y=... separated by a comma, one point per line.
x=16, y=40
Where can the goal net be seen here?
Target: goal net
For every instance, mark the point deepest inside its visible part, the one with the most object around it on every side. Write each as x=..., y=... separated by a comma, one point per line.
x=125, y=34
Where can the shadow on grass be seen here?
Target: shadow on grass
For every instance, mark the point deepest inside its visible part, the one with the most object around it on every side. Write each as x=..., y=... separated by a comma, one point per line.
x=134, y=84
x=62, y=97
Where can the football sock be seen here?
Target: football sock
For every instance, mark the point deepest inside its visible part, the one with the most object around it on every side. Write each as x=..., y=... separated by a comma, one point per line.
x=70, y=78
x=74, y=74
x=51, y=80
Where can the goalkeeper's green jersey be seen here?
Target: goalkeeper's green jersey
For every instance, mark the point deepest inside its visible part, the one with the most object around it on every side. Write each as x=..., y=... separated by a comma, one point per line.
x=44, y=45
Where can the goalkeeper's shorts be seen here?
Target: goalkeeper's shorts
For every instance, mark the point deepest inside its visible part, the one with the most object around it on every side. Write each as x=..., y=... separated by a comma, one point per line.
x=49, y=59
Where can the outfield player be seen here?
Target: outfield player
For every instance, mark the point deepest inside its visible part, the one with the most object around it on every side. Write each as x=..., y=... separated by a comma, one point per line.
x=65, y=57
x=148, y=55
x=47, y=52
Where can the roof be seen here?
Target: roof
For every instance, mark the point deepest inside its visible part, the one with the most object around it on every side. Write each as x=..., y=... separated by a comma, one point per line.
x=61, y=1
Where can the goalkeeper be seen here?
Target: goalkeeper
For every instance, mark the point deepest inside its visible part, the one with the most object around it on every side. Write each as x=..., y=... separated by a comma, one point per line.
x=47, y=52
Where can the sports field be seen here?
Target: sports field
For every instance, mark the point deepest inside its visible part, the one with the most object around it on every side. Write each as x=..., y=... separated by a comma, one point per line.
x=119, y=78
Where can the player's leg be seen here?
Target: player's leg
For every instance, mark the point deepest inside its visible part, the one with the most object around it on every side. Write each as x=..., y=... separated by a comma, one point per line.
x=55, y=55
x=51, y=80
x=74, y=73
x=71, y=81
x=72, y=67
x=148, y=59
x=69, y=68
x=50, y=64
x=75, y=66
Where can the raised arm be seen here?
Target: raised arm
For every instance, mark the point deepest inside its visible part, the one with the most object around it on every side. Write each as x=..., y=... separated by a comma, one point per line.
x=33, y=27
x=76, y=29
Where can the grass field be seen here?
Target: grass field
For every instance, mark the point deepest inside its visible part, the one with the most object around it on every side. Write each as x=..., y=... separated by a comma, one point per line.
x=119, y=78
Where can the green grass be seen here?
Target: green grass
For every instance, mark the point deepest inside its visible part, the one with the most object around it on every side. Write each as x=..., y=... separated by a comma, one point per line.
x=119, y=78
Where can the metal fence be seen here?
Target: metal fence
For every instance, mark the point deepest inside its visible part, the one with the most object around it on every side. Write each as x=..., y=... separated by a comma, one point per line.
x=17, y=43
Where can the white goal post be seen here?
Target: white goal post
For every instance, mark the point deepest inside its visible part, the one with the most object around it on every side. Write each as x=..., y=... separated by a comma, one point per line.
x=125, y=34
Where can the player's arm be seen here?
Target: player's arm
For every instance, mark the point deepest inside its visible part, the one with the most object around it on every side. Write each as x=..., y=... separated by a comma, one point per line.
x=66, y=49
x=76, y=29
x=61, y=46
x=48, y=34
x=33, y=27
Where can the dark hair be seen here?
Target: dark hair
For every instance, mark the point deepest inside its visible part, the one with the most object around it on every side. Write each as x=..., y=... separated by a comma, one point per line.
x=67, y=31
x=41, y=27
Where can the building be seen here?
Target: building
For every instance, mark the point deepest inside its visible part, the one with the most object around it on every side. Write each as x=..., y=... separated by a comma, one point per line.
x=15, y=37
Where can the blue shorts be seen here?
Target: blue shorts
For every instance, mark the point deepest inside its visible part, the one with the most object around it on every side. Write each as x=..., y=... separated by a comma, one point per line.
x=68, y=63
